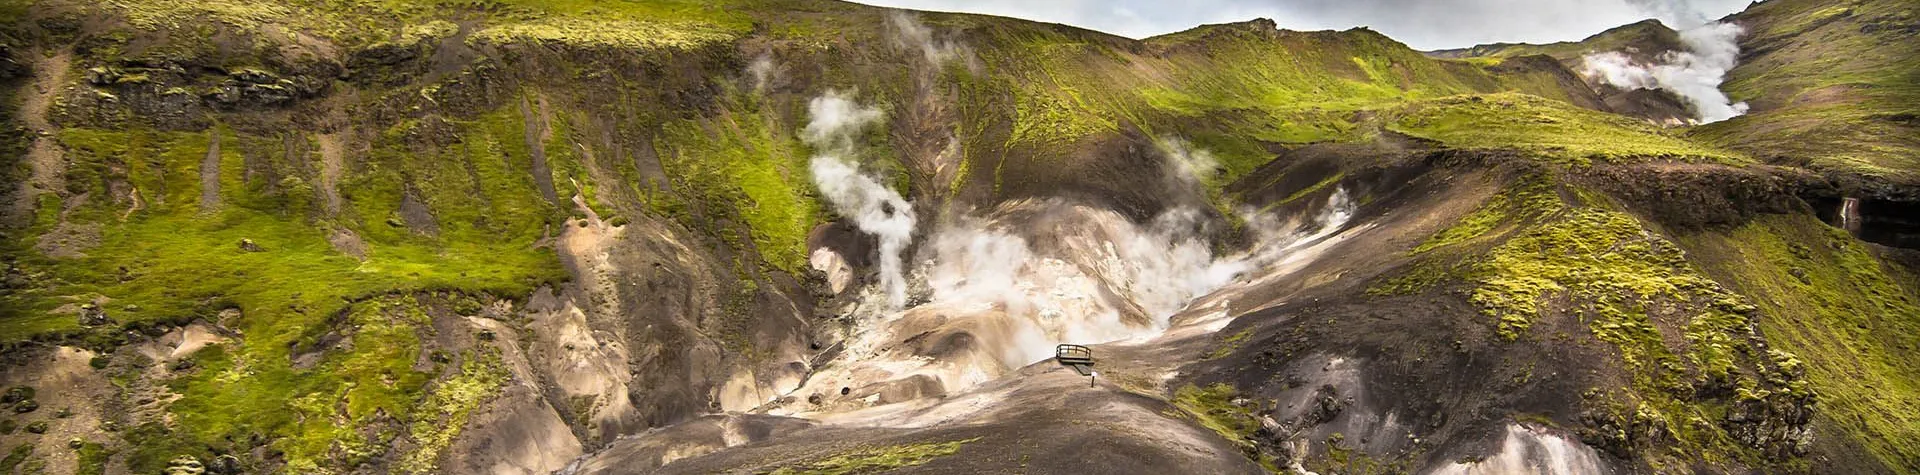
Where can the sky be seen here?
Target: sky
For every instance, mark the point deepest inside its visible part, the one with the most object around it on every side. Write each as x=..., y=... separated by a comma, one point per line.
x=1422, y=24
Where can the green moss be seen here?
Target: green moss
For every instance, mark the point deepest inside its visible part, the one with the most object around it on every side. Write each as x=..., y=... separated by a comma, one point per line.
x=1055, y=116
x=1528, y=199
x=879, y=459
x=446, y=410
x=1229, y=344
x=1213, y=408
x=19, y=454
x=743, y=162
x=1604, y=256
x=1676, y=330
x=319, y=412
x=173, y=14
x=1850, y=324
x=1553, y=129
x=91, y=459
x=630, y=34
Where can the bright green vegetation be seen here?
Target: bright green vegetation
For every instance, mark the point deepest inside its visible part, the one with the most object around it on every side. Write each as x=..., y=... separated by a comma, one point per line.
x=321, y=413
x=18, y=454
x=1620, y=275
x=1550, y=128
x=1213, y=408
x=878, y=459
x=1531, y=198
x=1675, y=329
x=1836, y=87
x=1230, y=344
x=169, y=260
x=649, y=24
x=1646, y=35
x=1849, y=318
x=91, y=458
x=604, y=33
x=448, y=408
x=744, y=161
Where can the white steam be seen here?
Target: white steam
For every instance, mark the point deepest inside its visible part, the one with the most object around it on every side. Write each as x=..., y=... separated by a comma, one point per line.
x=834, y=121
x=910, y=33
x=1082, y=274
x=1190, y=165
x=761, y=70
x=1003, y=286
x=1694, y=74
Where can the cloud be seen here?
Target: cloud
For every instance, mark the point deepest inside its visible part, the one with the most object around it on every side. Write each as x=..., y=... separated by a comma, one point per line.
x=1422, y=24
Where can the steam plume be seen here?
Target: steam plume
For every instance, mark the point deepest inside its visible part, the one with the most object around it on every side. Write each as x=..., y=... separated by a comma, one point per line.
x=1694, y=74
x=1093, y=267
x=910, y=33
x=875, y=209
x=761, y=70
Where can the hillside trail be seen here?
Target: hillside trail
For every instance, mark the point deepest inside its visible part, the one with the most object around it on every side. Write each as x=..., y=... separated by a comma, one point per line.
x=45, y=159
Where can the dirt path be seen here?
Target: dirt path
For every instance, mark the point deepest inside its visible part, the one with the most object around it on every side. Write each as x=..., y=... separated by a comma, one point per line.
x=45, y=158
x=62, y=382
x=332, y=157
x=210, y=175
x=537, y=135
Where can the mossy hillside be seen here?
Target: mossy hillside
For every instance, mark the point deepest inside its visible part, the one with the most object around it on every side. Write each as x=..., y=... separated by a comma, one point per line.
x=877, y=459
x=318, y=411
x=445, y=412
x=745, y=160
x=1817, y=45
x=1829, y=86
x=344, y=411
x=1647, y=35
x=1249, y=87
x=1214, y=408
x=1851, y=319
x=1686, y=344
x=171, y=260
x=642, y=25
x=1531, y=198
x=1551, y=129
x=1853, y=135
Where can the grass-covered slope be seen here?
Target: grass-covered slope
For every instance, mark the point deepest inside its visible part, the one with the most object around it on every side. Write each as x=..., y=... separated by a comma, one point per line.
x=1849, y=316
x=1835, y=85
x=1692, y=381
x=1647, y=38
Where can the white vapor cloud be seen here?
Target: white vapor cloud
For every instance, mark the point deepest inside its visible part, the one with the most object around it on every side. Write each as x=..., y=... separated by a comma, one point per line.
x=1694, y=74
x=1422, y=24
x=834, y=121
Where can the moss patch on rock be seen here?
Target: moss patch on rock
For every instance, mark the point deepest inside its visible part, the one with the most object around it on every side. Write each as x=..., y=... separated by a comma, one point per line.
x=1853, y=325
x=877, y=459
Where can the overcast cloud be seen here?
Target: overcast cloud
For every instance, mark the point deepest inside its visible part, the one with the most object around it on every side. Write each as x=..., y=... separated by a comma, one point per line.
x=1422, y=24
